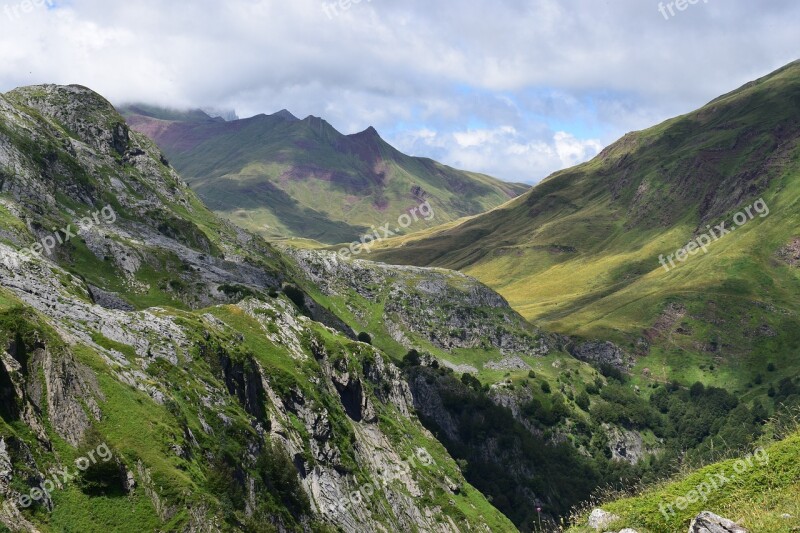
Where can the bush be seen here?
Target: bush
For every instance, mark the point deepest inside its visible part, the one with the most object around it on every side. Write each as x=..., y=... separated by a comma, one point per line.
x=471, y=381
x=582, y=401
x=612, y=372
x=412, y=358
x=280, y=478
x=364, y=337
x=103, y=473
x=545, y=387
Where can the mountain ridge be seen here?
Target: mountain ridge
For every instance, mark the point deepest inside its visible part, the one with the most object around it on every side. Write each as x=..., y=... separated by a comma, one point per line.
x=579, y=253
x=262, y=171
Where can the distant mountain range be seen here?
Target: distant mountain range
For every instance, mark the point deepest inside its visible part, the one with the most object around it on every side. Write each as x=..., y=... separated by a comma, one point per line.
x=285, y=177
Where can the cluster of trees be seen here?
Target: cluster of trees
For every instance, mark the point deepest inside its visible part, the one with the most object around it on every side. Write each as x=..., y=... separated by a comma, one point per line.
x=694, y=424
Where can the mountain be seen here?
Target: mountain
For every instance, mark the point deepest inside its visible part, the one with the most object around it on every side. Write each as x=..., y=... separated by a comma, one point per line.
x=161, y=369
x=284, y=177
x=592, y=251
x=179, y=373
x=209, y=381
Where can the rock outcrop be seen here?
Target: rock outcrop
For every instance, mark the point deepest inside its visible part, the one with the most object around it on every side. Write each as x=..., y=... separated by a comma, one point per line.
x=708, y=522
x=251, y=411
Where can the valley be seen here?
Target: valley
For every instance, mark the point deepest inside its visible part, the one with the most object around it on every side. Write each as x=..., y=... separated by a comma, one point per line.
x=607, y=338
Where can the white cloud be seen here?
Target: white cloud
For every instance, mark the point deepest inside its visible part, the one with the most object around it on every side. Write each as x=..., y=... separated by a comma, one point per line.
x=572, y=151
x=592, y=70
x=502, y=151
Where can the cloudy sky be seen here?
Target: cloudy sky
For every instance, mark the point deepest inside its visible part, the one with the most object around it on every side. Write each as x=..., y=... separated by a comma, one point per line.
x=513, y=88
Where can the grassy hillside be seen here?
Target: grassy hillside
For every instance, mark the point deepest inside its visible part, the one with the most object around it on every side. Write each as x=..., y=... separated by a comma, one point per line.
x=579, y=253
x=759, y=489
x=285, y=177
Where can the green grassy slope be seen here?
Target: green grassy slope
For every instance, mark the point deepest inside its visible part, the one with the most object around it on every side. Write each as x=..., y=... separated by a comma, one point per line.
x=759, y=490
x=281, y=176
x=579, y=253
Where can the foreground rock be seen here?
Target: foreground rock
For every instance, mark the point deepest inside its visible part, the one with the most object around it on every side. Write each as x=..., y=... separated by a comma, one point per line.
x=707, y=522
x=600, y=519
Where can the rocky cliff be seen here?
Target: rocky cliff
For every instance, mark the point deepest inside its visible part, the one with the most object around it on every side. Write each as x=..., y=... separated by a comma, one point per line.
x=133, y=319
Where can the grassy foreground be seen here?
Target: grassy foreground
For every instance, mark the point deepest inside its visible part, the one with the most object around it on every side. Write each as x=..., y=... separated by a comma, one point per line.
x=759, y=490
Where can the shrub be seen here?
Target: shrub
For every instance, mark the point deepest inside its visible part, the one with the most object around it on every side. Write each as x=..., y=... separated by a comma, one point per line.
x=471, y=381
x=545, y=387
x=364, y=337
x=412, y=358
x=582, y=401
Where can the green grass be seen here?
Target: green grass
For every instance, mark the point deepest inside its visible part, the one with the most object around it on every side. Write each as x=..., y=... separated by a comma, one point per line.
x=578, y=254
x=759, y=492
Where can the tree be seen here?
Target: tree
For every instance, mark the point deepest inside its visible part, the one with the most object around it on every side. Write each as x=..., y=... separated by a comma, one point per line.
x=583, y=401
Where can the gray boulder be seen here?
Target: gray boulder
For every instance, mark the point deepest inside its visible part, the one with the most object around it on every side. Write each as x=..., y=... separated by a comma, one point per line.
x=707, y=522
x=600, y=519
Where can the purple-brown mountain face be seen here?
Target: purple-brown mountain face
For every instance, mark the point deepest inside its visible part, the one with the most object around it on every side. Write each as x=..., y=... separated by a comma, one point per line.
x=286, y=177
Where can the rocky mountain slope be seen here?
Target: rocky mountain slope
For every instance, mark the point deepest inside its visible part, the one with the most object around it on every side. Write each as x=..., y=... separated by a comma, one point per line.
x=135, y=321
x=268, y=174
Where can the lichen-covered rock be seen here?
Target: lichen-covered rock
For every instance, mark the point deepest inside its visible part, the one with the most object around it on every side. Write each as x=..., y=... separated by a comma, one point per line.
x=600, y=519
x=708, y=522
x=597, y=352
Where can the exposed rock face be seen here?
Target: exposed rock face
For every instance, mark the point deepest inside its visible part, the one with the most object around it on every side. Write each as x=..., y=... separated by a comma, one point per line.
x=446, y=309
x=508, y=363
x=598, y=352
x=230, y=390
x=708, y=522
x=63, y=393
x=108, y=159
x=791, y=253
x=626, y=445
x=10, y=515
x=108, y=300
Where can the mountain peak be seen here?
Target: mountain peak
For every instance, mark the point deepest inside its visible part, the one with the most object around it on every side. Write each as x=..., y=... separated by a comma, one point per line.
x=368, y=133
x=286, y=115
